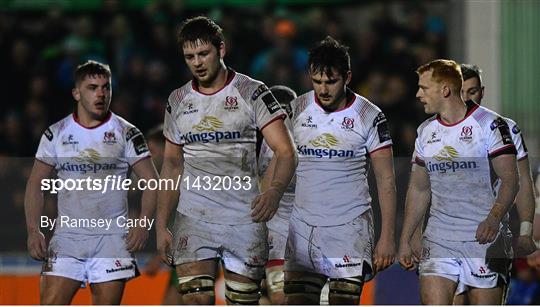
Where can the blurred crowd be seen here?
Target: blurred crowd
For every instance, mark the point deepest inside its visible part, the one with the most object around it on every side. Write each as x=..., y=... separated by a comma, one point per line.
x=39, y=50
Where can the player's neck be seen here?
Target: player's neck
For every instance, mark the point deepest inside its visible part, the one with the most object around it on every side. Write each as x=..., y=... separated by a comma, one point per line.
x=87, y=120
x=215, y=84
x=453, y=111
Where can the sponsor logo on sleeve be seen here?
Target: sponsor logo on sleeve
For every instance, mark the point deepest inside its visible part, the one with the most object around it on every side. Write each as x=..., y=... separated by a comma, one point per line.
x=516, y=129
x=271, y=103
x=139, y=143
x=504, y=130
x=382, y=128
x=169, y=109
x=261, y=89
x=48, y=134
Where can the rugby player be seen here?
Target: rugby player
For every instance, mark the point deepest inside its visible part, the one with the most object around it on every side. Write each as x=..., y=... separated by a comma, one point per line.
x=210, y=126
x=331, y=231
x=91, y=143
x=467, y=229
x=473, y=89
x=278, y=226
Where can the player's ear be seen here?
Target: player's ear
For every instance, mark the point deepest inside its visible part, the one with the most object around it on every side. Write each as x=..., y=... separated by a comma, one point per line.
x=222, y=50
x=76, y=94
x=349, y=77
x=445, y=91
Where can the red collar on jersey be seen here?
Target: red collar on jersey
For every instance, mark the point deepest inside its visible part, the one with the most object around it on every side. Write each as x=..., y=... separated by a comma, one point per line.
x=471, y=107
x=230, y=76
x=351, y=97
x=106, y=119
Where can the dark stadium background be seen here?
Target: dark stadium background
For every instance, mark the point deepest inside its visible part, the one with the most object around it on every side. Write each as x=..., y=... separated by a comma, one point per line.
x=41, y=42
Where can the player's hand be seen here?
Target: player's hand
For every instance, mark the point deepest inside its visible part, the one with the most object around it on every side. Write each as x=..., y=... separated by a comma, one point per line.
x=265, y=205
x=136, y=239
x=164, y=242
x=385, y=254
x=525, y=246
x=36, y=245
x=487, y=230
x=416, y=247
x=534, y=260
x=407, y=259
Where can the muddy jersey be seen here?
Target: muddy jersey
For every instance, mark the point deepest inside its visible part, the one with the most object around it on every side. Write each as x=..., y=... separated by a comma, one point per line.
x=333, y=150
x=456, y=158
x=287, y=201
x=218, y=135
x=105, y=151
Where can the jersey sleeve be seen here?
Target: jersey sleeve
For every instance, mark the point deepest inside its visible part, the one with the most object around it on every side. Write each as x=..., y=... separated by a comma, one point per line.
x=267, y=108
x=418, y=154
x=378, y=135
x=517, y=138
x=136, y=148
x=46, y=152
x=170, y=128
x=499, y=140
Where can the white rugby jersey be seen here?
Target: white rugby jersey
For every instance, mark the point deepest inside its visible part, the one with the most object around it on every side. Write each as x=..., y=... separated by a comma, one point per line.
x=333, y=150
x=78, y=152
x=456, y=158
x=287, y=201
x=218, y=135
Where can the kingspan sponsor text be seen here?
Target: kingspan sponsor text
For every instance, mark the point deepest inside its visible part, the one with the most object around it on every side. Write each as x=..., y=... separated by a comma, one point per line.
x=84, y=168
x=452, y=166
x=324, y=152
x=213, y=136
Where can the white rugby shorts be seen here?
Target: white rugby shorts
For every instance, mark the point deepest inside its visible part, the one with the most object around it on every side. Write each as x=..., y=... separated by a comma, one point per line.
x=467, y=263
x=90, y=258
x=242, y=248
x=335, y=251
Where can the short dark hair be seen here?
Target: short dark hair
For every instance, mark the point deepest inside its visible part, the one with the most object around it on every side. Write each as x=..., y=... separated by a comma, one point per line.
x=471, y=71
x=328, y=54
x=284, y=95
x=91, y=68
x=200, y=28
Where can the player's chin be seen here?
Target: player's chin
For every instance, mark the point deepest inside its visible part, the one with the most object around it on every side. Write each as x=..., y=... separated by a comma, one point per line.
x=100, y=113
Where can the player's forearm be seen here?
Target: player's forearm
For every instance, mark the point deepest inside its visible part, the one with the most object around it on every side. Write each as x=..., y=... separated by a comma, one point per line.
x=505, y=198
x=525, y=200
x=387, y=201
x=167, y=198
x=416, y=205
x=417, y=234
x=268, y=175
x=148, y=204
x=284, y=168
